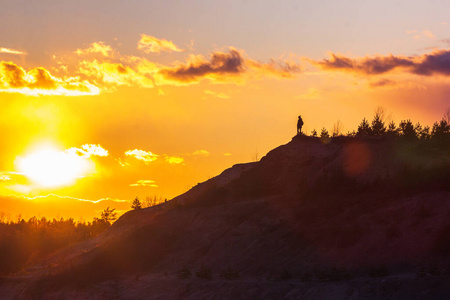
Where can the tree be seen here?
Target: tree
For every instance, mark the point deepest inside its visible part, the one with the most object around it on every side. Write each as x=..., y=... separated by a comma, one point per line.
x=378, y=126
x=337, y=129
x=392, y=130
x=109, y=215
x=364, y=128
x=136, y=205
x=314, y=133
x=440, y=130
x=424, y=133
x=324, y=133
x=406, y=129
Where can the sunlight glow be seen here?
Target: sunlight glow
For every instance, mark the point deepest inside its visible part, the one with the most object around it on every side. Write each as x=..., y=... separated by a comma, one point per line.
x=49, y=167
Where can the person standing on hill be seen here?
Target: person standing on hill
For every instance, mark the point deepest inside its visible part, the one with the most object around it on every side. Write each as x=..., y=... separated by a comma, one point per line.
x=299, y=125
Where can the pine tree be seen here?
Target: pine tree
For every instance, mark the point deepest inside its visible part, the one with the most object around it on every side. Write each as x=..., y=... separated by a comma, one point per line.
x=392, y=130
x=136, y=205
x=109, y=215
x=324, y=133
x=378, y=126
x=406, y=129
x=364, y=128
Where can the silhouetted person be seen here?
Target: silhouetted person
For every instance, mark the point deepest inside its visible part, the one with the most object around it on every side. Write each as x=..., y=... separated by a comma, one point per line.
x=299, y=125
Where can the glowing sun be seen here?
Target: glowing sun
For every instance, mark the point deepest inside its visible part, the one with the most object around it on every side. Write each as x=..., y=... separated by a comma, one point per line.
x=49, y=167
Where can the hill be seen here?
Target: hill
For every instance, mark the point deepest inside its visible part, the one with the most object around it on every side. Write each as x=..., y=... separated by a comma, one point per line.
x=337, y=218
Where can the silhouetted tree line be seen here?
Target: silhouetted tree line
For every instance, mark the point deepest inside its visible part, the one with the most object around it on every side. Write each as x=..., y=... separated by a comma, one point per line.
x=25, y=241
x=439, y=132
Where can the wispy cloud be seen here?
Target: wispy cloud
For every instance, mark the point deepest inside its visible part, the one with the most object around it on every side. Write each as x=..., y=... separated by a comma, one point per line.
x=146, y=156
x=201, y=153
x=420, y=34
x=151, y=44
x=11, y=51
x=145, y=183
x=39, y=81
x=436, y=62
x=217, y=94
x=283, y=69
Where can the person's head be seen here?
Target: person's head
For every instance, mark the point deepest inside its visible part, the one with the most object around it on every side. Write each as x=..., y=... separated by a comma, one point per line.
x=299, y=116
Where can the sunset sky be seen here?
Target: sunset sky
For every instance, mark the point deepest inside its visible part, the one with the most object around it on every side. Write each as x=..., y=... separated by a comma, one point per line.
x=103, y=101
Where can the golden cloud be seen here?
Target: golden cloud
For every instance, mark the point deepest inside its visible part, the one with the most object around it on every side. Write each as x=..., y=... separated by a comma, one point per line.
x=151, y=44
x=201, y=153
x=146, y=183
x=146, y=156
x=173, y=160
x=89, y=150
x=221, y=67
x=11, y=51
x=39, y=81
x=97, y=47
x=116, y=74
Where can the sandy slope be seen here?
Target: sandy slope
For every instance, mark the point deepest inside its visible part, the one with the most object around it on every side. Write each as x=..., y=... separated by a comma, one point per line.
x=354, y=218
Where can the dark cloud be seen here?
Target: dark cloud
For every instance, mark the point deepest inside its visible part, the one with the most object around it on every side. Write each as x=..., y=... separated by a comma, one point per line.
x=220, y=64
x=437, y=62
x=371, y=66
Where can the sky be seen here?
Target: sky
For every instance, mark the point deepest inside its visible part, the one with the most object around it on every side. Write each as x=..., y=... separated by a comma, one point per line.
x=105, y=101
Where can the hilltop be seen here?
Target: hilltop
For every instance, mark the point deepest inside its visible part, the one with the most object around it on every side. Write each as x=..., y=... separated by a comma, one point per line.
x=343, y=217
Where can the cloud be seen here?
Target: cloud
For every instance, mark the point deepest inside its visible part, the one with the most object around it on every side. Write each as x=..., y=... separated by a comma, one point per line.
x=144, y=182
x=146, y=156
x=217, y=94
x=274, y=68
x=173, y=160
x=201, y=153
x=227, y=154
x=417, y=34
x=151, y=44
x=39, y=81
x=117, y=74
x=382, y=82
x=96, y=47
x=122, y=163
x=11, y=51
x=4, y=177
x=221, y=66
x=89, y=150
x=371, y=65
x=436, y=62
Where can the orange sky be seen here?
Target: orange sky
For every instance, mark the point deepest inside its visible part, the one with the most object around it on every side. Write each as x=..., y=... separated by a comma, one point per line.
x=112, y=104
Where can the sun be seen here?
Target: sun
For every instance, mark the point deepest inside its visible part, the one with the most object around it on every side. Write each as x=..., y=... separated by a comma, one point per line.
x=50, y=167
